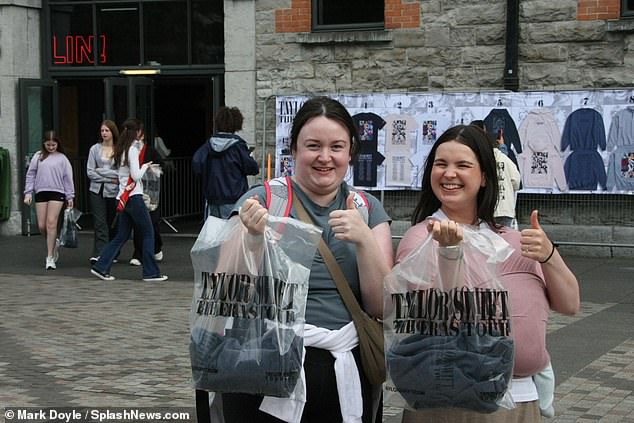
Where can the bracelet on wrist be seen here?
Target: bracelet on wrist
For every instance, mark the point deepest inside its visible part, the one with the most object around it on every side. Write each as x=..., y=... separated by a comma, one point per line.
x=551, y=253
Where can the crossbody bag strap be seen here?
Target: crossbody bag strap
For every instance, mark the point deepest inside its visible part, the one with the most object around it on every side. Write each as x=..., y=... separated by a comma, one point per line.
x=141, y=157
x=333, y=267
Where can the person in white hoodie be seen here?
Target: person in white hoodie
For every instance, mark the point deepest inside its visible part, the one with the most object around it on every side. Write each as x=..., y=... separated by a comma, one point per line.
x=508, y=183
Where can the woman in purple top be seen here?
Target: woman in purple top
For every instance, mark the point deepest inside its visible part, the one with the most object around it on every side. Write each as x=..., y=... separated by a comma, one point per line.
x=50, y=177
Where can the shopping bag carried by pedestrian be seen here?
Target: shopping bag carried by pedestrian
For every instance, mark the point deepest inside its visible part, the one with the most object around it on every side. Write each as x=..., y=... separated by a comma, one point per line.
x=447, y=327
x=68, y=234
x=248, y=307
x=151, y=182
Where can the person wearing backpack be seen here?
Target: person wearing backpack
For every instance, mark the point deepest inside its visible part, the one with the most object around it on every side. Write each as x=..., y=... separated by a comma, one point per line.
x=323, y=143
x=224, y=162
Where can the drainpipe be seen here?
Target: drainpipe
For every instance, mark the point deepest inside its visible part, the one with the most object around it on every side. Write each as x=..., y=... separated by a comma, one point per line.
x=263, y=166
x=511, y=77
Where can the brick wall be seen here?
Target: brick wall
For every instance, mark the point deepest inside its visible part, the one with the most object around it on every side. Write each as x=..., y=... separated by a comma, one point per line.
x=295, y=19
x=298, y=17
x=591, y=10
x=401, y=15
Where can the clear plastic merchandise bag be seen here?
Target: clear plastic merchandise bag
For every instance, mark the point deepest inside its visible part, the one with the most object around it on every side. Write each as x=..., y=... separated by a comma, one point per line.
x=248, y=306
x=151, y=181
x=447, y=327
x=68, y=234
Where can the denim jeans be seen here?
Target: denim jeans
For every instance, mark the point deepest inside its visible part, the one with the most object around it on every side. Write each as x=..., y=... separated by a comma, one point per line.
x=138, y=237
x=134, y=214
x=103, y=213
x=223, y=211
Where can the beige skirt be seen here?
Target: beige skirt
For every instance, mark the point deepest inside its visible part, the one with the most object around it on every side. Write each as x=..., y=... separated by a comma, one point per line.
x=524, y=412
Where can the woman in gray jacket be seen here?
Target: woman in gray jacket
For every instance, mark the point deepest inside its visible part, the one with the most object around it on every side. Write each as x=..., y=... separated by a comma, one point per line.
x=104, y=185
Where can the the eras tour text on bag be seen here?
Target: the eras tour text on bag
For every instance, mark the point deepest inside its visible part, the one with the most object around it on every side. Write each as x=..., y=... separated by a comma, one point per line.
x=247, y=297
x=435, y=312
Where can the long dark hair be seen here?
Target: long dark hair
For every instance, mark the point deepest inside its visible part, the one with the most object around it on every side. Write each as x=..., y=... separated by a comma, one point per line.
x=476, y=139
x=113, y=129
x=129, y=133
x=50, y=135
x=330, y=108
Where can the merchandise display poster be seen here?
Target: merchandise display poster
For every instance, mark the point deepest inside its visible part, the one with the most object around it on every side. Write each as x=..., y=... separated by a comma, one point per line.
x=561, y=141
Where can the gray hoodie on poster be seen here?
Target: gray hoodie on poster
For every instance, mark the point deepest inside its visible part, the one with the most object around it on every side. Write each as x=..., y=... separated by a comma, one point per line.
x=621, y=169
x=621, y=129
x=540, y=163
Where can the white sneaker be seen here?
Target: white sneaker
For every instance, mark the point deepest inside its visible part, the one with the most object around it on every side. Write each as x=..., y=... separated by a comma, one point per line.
x=135, y=262
x=94, y=260
x=158, y=256
x=160, y=278
x=56, y=250
x=50, y=263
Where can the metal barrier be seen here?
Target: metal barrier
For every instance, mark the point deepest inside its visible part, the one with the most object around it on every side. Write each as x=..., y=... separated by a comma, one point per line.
x=181, y=196
x=181, y=190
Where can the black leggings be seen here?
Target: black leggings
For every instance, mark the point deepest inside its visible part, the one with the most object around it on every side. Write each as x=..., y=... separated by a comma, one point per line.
x=322, y=403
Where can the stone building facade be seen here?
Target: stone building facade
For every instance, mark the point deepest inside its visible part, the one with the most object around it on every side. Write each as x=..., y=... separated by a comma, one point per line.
x=425, y=46
x=449, y=45
x=437, y=45
x=19, y=58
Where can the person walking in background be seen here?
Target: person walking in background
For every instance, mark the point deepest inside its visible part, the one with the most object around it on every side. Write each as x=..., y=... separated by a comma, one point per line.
x=131, y=208
x=151, y=156
x=50, y=177
x=323, y=143
x=104, y=186
x=508, y=182
x=460, y=188
x=224, y=162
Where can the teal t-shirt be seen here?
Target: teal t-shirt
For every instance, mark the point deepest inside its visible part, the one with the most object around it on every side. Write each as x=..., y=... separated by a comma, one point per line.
x=324, y=307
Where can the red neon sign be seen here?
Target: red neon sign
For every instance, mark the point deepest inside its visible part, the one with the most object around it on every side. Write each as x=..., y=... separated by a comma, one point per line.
x=78, y=50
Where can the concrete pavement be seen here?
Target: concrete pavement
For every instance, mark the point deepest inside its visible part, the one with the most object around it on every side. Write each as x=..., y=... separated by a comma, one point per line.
x=68, y=339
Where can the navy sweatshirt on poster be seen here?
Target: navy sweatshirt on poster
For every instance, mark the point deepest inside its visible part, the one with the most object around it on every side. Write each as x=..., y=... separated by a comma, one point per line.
x=500, y=120
x=584, y=132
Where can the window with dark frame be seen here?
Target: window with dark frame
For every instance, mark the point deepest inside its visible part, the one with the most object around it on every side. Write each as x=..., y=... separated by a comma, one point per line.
x=346, y=15
x=627, y=8
x=134, y=32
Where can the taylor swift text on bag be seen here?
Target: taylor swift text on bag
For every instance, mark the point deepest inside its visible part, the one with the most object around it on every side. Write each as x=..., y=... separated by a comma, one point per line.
x=248, y=307
x=447, y=327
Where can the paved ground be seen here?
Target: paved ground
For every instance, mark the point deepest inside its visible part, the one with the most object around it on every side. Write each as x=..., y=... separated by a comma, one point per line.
x=68, y=339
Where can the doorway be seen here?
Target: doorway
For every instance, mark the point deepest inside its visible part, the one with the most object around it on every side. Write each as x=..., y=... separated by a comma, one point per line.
x=183, y=113
x=179, y=109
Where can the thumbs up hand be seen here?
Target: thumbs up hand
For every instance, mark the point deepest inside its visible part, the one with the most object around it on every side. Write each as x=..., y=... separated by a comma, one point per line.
x=534, y=241
x=348, y=225
x=350, y=202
